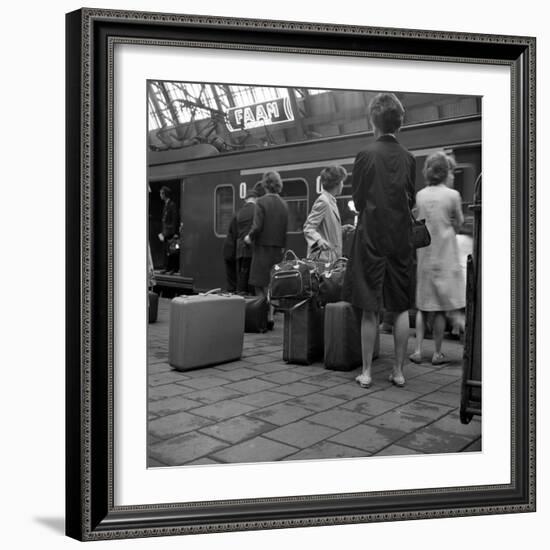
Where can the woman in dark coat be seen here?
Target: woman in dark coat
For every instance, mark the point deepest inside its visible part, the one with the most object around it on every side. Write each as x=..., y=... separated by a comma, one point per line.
x=268, y=233
x=380, y=273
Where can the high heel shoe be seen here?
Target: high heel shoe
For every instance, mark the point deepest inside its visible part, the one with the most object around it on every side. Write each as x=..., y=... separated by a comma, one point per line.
x=364, y=380
x=398, y=381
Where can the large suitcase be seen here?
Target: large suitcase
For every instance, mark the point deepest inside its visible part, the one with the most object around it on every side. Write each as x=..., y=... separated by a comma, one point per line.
x=255, y=317
x=206, y=329
x=303, y=333
x=343, y=337
x=153, y=308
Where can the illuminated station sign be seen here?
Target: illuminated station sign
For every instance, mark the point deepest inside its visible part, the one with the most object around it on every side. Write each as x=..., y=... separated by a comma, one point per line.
x=266, y=113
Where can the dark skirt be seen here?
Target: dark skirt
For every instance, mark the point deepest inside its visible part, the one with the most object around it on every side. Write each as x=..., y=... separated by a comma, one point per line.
x=374, y=281
x=263, y=259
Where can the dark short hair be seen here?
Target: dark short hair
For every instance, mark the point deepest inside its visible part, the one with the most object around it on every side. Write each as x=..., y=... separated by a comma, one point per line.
x=259, y=188
x=272, y=182
x=437, y=167
x=167, y=191
x=386, y=112
x=332, y=175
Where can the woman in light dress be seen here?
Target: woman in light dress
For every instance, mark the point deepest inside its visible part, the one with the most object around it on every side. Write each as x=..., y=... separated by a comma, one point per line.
x=440, y=284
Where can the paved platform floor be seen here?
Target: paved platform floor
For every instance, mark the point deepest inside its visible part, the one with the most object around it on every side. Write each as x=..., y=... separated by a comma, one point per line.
x=261, y=409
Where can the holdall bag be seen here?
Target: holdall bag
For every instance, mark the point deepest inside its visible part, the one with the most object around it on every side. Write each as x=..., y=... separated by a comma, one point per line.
x=205, y=329
x=303, y=333
x=293, y=278
x=153, y=308
x=331, y=281
x=256, y=310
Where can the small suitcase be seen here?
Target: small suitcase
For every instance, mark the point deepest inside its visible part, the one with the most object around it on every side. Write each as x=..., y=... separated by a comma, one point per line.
x=303, y=333
x=206, y=329
x=343, y=337
x=255, y=317
x=153, y=306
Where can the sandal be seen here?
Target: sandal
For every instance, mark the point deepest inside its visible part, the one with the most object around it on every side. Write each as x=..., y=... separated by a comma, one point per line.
x=364, y=380
x=398, y=381
x=416, y=357
x=439, y=359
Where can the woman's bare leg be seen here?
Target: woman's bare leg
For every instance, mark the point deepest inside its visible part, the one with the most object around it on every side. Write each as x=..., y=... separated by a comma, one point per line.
x=439, y=330
x=400, y=342
x=419, y=323
x=368, y=338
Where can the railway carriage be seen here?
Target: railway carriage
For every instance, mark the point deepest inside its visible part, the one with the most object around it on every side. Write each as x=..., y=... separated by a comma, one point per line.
x=210, y=187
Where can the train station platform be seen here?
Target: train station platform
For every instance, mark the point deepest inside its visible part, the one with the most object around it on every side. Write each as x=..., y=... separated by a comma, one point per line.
x=261, y=409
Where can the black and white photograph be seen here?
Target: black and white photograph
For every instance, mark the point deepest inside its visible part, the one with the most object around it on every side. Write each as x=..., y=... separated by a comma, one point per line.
x=313, y=273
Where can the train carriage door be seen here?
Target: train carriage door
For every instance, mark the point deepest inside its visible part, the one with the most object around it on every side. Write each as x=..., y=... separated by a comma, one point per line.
x=296, y=194
x=154, y=216
x=209, y=202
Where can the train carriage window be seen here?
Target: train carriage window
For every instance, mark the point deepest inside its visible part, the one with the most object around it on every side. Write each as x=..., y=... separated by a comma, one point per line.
x=224, y=208
x=295, y=193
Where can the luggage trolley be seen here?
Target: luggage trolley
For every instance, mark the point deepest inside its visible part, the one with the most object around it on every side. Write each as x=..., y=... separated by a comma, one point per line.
x=470, y=402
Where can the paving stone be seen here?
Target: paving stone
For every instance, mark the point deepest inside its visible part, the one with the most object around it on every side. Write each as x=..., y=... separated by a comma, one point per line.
x=155, y=368
x=263, y=399
x=396, y=395
x=327, y=449
x=259, y=359
x=443, y=398
x=233, y=365
x=474, y=447
x=251, y=385
x=184, y=449
x=317, y=401
x=152, y=463
x=438, y=378
x=241, y=373
x=423, y=408
x=420, y=386
x=223, y=410
x=274, y=366
x=284, y=377
x=258, y=449
x=161, y=378
x=347, y=391
x=213, y=395
x=368, y=438
x=301, y=434
x=238, y=428
x=338, y=418
x=451, y=423
x=434, y=440
x=414, y=371
x=325, y=380
x=167, y=390
x=369, y=406
x=205, y=382
x=205, y=461
x=176, y=424
x=171, y=405
x=296, y=388
x=281, y=414
x=399, y=419
x=397, y=450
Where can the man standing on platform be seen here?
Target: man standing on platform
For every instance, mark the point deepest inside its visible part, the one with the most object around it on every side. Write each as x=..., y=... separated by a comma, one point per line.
x=169, y=229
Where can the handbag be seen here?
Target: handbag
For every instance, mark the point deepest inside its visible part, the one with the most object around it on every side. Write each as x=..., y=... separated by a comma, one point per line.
x=293, y=279
x=174, y=245
x=332, y=281
x=420, y=235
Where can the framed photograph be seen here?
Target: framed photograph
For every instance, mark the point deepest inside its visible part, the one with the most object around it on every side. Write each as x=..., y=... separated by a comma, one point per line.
x=253, y=341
